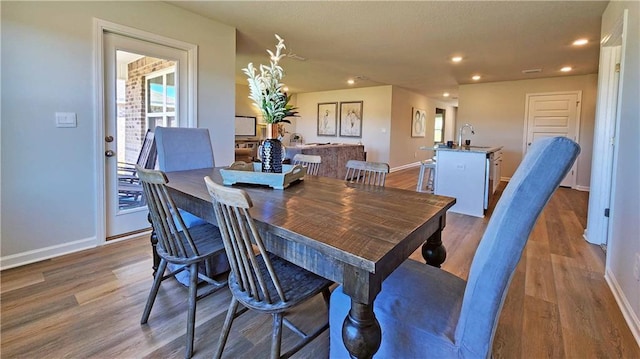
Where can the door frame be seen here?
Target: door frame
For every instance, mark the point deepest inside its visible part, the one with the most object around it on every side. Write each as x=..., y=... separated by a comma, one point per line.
x=101, y=27
x=604, y=164
x=576, y=134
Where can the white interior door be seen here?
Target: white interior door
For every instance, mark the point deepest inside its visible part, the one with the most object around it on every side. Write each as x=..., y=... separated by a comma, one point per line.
x=552, y=115
x=145, y=87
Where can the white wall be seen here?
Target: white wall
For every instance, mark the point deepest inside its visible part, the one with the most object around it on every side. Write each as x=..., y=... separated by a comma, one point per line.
x=496, y=111
x=404, y=148
x=376, y=118
x=48, y=184
x=624, y=240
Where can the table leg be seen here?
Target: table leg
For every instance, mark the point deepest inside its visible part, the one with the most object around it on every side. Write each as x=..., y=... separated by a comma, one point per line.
x=361, y=331
x=433, y=251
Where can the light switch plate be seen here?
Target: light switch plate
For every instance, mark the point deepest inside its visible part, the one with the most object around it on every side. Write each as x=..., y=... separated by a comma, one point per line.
x=66, y=119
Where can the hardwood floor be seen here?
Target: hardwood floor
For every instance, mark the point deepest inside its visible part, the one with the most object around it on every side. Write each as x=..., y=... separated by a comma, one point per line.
x=89, y=304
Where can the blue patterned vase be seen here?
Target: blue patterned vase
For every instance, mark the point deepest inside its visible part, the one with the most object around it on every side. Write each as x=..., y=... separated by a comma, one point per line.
x=271, y=155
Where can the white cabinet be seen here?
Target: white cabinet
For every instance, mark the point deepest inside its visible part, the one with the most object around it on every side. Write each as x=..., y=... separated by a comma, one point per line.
x=468, y=175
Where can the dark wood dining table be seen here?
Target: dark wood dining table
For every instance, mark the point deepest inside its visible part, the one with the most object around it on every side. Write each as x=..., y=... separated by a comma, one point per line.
x=352, y=234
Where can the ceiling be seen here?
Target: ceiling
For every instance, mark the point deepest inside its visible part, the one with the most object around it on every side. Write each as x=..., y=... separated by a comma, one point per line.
x=410, y=44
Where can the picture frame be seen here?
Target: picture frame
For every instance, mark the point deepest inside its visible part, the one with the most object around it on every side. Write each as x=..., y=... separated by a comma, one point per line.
x=246, y=126
x=327, y=119
x=351, y=119
x=418, y=122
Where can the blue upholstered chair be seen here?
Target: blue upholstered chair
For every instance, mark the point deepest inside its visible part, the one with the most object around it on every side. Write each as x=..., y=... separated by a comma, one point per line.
x=181, y=149
x=425, y=312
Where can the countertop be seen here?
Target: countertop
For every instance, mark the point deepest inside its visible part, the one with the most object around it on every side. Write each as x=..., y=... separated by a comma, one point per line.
x=477, y=149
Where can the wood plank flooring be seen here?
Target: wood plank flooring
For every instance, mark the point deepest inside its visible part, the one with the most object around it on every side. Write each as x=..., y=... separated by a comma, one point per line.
x=88, y=304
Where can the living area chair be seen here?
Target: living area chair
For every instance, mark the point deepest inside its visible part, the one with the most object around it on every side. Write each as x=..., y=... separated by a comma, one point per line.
x=265, y=282
x=130, y=193
x=312, y=162
x=372, y=173
x=425, y=312
x=187, y=248
x=147, y=158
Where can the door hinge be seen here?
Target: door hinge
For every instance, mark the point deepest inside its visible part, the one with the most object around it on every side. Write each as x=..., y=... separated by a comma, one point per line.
x=617, y=67
x=606, y=212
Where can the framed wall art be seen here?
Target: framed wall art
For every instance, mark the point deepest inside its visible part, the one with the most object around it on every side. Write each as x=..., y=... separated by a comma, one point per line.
x=418, y=122
x=328, y=119
x=351, y=119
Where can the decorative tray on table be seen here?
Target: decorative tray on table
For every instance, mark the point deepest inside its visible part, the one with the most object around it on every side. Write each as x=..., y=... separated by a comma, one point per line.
x=241, y=172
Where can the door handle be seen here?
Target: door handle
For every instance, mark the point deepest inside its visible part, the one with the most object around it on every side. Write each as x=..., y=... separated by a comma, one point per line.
x=109, y=153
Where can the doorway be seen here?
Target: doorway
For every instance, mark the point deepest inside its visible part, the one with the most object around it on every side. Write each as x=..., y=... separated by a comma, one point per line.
x=550, y=115
x=146, y=82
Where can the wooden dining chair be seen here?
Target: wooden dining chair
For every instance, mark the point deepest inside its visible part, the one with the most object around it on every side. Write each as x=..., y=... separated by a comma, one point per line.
x=187, y=248
x=373, y=173
x=312, y=162
x=426, y=312
x=265, y=282
x=181, y=149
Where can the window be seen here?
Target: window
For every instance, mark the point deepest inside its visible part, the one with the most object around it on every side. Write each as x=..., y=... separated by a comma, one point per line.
x=438, y=133
x=161, y=98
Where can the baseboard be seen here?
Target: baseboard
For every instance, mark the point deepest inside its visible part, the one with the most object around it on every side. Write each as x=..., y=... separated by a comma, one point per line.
x=583, y=188
x=404, y=167
x=627, y=312
x=20, y=259
x=505, y=179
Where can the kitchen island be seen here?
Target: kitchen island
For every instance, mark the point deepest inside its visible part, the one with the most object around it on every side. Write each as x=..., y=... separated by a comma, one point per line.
x=470, y=174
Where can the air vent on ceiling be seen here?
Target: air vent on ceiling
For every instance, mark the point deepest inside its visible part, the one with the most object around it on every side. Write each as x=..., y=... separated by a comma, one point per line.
x=531, y=71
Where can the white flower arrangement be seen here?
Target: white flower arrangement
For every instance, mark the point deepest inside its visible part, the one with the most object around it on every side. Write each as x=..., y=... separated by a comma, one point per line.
x=266, y=89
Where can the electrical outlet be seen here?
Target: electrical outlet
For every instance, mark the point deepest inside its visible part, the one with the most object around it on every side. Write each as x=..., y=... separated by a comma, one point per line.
x=636, y=267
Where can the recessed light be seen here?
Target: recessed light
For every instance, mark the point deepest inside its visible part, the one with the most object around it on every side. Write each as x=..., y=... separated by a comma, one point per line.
x=446, y=94
x=581, y=42
x=351, y=81
x=566, y=69
x=285, y=89
x=476, y=77
x=456, y=58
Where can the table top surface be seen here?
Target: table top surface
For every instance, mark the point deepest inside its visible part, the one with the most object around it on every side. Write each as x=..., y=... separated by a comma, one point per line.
x=364, y=226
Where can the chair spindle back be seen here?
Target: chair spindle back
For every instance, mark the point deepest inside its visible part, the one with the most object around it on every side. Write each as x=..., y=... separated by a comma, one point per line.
x=166, y=220
x=371, y=173
x=239, y=232
x=312, y=162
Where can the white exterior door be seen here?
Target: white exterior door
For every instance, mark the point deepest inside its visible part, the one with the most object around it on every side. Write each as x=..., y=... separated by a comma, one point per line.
x=143, y=84
x=551, y=115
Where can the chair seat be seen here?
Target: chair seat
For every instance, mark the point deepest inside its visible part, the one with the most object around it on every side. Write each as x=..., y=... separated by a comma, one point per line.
x=416, y=321
x=297, y=283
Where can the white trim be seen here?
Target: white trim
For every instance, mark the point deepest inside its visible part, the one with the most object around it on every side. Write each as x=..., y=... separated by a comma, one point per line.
x=99, y=28
x=626, y=309
x=605, y=139
x=20, y=259
x=404, y=167
x=583, y=188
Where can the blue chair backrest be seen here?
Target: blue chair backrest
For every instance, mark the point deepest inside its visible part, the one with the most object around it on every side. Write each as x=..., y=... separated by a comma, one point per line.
x=541, y=171
x=181, y=149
